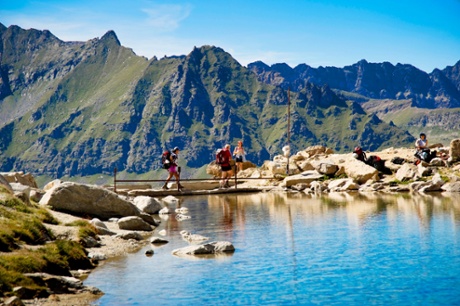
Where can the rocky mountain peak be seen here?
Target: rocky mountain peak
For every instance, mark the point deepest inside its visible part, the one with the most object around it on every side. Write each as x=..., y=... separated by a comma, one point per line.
x=110, y=36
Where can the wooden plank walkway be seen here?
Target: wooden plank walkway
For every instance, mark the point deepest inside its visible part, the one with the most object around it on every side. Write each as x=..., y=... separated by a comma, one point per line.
x=187, y=192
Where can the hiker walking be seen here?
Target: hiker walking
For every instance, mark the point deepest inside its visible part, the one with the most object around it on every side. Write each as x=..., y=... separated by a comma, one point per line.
x=239, y=155
x=173, y=169
x=223, y=158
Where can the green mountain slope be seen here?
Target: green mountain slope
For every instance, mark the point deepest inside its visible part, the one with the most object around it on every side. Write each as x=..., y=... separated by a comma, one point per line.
x=441, y=125
x=100, y=106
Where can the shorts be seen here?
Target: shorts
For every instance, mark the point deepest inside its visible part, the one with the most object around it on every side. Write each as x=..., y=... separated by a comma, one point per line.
x=239, y=159
x=172, y=169
x=226, y=168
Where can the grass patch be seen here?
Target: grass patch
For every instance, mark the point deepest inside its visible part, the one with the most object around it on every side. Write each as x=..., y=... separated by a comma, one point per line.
x=21, y=223
x=86, y=229
x=57, y=258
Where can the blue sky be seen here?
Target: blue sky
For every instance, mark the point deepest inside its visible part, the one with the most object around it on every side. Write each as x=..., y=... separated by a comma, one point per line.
x=336, y=33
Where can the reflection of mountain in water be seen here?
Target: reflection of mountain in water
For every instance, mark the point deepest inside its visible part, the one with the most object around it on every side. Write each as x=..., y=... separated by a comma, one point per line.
x=359, y=207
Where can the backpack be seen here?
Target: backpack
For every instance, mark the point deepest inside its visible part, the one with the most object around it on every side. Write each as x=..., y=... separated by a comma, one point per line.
x=378, y=163
x=361, y=155
x=166, y=159
x=221, y=157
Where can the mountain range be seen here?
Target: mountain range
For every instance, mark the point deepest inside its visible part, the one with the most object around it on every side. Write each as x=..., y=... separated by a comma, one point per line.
x=83, y=108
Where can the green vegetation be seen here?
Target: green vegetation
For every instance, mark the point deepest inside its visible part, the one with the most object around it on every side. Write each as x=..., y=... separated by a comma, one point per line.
x=111, y=108
x=85, y=229
x=21, y=223
x=22, y=230
x=57, y=258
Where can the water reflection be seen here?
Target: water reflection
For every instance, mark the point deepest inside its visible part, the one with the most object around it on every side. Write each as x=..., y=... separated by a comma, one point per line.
x=358, y=207
x=293, y=248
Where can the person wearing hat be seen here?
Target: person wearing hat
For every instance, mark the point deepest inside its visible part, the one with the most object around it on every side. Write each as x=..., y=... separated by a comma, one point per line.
x=173, y=169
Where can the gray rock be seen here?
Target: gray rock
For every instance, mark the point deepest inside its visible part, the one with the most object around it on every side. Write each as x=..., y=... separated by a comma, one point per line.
x=88, y=200
x=304, y=178
x=97, y=222
x=89, y=242
x=21, y=178
x=451, y=187
x=57, y=284
x=131, y=235
x=326, y=168
x=158, y=240
x=147, y=204
x=97, y=256
x=208, y=248
x=437, y=162
x=343, y=185
x=423, y=171
x=360, y=172
x=134, y=223
x=407, y=172
x=100, y=227
x=36, y=194
x=454, y=150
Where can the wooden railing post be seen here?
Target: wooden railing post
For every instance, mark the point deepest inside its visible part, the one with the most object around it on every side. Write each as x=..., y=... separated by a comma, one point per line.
x=236, y=181
x=115, y=180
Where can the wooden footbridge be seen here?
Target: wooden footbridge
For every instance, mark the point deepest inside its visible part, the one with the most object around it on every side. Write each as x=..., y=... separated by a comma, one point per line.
x=191, y=186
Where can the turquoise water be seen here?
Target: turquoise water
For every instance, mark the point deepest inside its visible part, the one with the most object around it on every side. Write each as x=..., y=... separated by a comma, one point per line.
x=294, y=249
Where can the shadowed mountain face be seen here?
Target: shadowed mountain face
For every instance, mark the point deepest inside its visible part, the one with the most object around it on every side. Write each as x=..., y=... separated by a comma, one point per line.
x=82, y=108
x=439, y=89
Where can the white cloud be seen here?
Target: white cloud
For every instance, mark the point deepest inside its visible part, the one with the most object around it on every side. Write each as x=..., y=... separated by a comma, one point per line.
x=167, y=17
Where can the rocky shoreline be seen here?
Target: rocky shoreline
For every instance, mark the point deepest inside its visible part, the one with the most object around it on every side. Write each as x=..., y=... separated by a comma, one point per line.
x=124, y=221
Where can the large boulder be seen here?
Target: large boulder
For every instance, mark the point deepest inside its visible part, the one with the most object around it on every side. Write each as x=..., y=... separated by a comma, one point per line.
x=407, y=172
x=304, y=178
x=454, y=150
x=360, y=172
x=88, y=200
x=21, y=178
x=147, y=204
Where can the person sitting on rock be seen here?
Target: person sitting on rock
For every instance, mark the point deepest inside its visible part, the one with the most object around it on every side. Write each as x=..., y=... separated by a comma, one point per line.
x=422, y=151
x=359, y=154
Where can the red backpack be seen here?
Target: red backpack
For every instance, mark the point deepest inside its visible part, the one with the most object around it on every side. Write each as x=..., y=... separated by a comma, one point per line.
x=221, y=157
x=166, y=159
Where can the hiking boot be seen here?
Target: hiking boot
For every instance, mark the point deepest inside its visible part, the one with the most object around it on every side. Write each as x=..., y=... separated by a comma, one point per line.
x=165, y=186
x=181, y=187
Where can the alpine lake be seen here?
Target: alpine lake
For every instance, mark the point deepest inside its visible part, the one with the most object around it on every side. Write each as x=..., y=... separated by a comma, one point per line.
x=298, y=249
